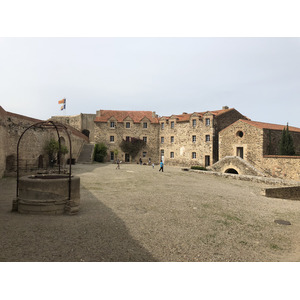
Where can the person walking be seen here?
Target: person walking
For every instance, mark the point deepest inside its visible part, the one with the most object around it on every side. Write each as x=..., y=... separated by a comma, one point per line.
x=161, y=166
x=118, y=164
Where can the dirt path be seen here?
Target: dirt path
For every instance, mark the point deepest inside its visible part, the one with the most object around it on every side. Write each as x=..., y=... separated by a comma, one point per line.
x=139, y=214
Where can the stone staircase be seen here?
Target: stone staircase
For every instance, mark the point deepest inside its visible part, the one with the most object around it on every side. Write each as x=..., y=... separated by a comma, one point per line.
x=86, y=154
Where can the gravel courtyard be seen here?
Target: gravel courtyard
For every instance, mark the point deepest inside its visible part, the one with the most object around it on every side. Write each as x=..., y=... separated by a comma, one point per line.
x=139, y=214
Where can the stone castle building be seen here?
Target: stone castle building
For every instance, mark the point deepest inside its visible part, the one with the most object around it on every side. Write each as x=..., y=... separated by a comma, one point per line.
x=223, y=140
x=258, y=144
x=186, y=139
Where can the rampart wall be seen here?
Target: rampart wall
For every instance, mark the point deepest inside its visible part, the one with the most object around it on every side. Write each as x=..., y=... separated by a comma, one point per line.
x=286, y=167
x=80, y=122
x=31, y=148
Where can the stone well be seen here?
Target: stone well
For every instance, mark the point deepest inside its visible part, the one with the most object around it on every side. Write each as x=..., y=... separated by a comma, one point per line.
x=48, y=194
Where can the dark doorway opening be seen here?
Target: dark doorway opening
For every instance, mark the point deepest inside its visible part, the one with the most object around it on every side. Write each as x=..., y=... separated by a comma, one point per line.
x=41, y=162
x=127, y=157
x=231, y=171
x=207, y=160
x=86, y=132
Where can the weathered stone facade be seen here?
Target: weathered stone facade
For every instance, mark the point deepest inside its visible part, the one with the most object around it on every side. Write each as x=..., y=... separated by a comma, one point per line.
x=31, y=149
x=187, y=139
x=258, y=143
x=83, y=123
x=192, y=139
x=112, y=129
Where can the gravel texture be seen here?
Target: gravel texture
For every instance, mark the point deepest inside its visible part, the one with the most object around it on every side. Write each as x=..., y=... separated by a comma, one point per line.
x=139, y=214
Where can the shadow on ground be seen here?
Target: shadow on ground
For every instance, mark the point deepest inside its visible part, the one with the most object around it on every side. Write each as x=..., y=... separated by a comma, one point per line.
x=96, y=234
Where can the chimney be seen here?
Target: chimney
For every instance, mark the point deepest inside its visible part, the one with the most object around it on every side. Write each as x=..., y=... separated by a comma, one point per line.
x=225, y=107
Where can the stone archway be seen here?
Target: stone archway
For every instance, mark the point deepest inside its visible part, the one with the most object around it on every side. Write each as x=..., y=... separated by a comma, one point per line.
x=86, y=132
x=235, y=165
x=231, y=171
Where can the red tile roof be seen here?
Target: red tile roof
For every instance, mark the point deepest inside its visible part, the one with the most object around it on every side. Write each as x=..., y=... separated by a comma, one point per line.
x=262, y=125
x=121, y=115
x=186, y=117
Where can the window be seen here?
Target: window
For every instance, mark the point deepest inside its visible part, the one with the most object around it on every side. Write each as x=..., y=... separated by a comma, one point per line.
x=127, y=138
x=145, y=125
x=145, y=139
x=172, y=139
x=171, y=154
x=162, y=139
x=144, y=154
x=112, y=156
x=162, y=152
x=240, y=152
x=127, y=124
x=162, y=126
x=194, y=139
x=112, y=124
x=207, y=121
x=194, y=123
x=240, y=133
x=207, y=138
x=172, y=124
x=112, y=138
x=193, y=155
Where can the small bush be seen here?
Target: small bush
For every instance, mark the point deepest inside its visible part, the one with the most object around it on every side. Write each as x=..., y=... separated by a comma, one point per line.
x=100, y=152
x=198, y=168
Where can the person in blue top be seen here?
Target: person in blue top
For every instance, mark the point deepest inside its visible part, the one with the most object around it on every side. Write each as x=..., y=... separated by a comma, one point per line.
x=161, y=166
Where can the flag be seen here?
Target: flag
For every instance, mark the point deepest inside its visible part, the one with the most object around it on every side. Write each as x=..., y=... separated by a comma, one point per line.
x=63, y=101
x=63, y=107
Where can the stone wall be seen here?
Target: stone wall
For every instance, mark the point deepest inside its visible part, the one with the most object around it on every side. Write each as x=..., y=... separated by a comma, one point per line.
x=31, y=148
x=80, y=122
x=286, y=167
x=290, y=192
x=241, y=166
x=187, y=151
x=103, y=132
x=74, y=121
x=242, y=135
x=3, y=138
x=221, y=122
x=183, y=145
x=256, y=143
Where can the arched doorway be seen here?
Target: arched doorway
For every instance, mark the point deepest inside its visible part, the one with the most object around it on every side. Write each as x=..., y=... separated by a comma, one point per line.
x=86, y=132
x=231, y=171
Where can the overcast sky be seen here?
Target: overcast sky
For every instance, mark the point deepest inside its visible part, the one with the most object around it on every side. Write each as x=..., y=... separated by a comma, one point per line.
x=258, y=76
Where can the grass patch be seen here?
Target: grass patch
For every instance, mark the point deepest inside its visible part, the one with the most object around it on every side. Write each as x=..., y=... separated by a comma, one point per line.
x=198, y=168
x=275, y=247
x=243, y=242
x=231, y=218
